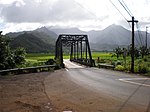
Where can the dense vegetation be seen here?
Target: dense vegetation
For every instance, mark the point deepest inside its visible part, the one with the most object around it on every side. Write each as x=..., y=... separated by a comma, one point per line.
x=121, y=63
x=10, y=58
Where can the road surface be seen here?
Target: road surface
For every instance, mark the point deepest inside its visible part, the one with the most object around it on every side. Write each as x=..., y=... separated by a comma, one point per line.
x=104, y=90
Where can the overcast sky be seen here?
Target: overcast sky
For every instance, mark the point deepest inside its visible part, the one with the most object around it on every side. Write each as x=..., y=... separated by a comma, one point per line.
x=19, y=15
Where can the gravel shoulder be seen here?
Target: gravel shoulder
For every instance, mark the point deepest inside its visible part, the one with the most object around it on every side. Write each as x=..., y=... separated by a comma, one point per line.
x=24, y=93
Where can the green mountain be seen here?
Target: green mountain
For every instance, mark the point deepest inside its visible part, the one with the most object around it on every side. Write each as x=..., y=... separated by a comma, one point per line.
x=40, y=40
x=31, y=43
x=106, y=39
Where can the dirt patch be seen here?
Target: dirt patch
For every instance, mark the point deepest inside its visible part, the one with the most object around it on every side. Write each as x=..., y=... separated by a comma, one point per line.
x=24, y=93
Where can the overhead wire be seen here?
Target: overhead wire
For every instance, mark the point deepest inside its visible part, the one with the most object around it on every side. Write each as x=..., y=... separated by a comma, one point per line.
x=130, y=14
x=120, y=12
x=93, y=14
x=125, y=8
x=137, y=25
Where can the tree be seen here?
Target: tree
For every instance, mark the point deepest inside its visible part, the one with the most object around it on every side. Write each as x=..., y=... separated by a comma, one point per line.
x=118, y=51
x=143, y=51
x=124, y=54
x=19, y=55
x=136, y=52
x=10, y=58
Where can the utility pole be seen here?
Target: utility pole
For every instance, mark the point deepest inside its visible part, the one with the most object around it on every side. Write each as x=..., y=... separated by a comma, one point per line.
x=132, y=49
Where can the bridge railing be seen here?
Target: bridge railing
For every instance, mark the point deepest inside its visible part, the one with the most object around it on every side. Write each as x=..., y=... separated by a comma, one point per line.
x=85, y=62
x=27, y=70
x=106, y=66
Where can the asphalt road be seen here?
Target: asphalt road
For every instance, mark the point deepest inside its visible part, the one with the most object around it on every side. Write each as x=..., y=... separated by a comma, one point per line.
x=128, y=88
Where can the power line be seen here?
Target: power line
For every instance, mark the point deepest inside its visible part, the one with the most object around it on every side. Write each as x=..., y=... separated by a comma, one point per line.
x=118, y=10
x=87, y=10
x=125, y=8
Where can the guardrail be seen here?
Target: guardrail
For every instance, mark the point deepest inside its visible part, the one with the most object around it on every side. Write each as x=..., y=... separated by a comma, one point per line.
x=27, y=70
x=106, y=66
x=84, y=62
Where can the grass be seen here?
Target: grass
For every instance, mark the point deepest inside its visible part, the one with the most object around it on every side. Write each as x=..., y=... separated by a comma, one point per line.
x=108, y=58
x=141, y=65
x=36, y=59
x=39, y=57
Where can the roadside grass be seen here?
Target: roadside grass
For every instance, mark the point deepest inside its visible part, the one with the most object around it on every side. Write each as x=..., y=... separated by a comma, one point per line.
x=141, y=65
x=37, y=59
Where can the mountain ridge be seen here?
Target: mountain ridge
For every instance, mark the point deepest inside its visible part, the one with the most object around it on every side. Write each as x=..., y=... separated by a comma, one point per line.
x=31, y=43
x=106, y=39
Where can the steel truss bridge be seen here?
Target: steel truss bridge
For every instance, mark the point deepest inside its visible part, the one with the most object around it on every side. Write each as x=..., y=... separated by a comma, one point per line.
x=79, y=49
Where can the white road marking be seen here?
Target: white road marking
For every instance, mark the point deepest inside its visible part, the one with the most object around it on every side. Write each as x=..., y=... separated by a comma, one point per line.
x=130, y=80
x=66, y=69
x=69, y=64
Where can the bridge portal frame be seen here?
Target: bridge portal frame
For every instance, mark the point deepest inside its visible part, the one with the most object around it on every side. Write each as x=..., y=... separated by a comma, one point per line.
x=79, y=49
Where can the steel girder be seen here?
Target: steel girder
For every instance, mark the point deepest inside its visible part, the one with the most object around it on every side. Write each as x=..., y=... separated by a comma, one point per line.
x=79, y=49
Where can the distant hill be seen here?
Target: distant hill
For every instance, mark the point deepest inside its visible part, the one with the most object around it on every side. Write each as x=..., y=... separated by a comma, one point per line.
x=31, y=43
x=107, y=39
x=66, y=30
x=45, y=37
x=114, y=36
x=46, y=31
x=39, y=40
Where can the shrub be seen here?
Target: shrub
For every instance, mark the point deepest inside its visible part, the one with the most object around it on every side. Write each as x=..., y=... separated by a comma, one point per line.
x=145, y=59
x=119, y=68
x=118, y=63
x=113, y=63
x=50, y=62
x=143, y=69
x=102, y=61
x=136, y=69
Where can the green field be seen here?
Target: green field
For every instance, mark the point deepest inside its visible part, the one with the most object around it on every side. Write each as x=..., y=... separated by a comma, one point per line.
x=107, y=58
x=42, y=57
x=39, y=57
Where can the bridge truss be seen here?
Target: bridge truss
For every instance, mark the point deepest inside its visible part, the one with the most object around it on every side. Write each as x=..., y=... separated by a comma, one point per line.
x=79, y=49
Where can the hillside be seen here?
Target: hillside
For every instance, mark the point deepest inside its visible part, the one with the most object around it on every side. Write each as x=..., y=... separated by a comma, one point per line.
x=39, y=40
x=47, y=32
x=31, y=43
x=106, y=39
x=45, y=37
x=66, y=30
x=114, y=36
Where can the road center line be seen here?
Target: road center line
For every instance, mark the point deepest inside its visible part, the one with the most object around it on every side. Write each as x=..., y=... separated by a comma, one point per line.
x=130, y=80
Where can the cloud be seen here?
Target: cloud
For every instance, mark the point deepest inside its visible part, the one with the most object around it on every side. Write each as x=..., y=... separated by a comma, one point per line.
x=85, y=14
x=13, y=27
x=43, y=11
